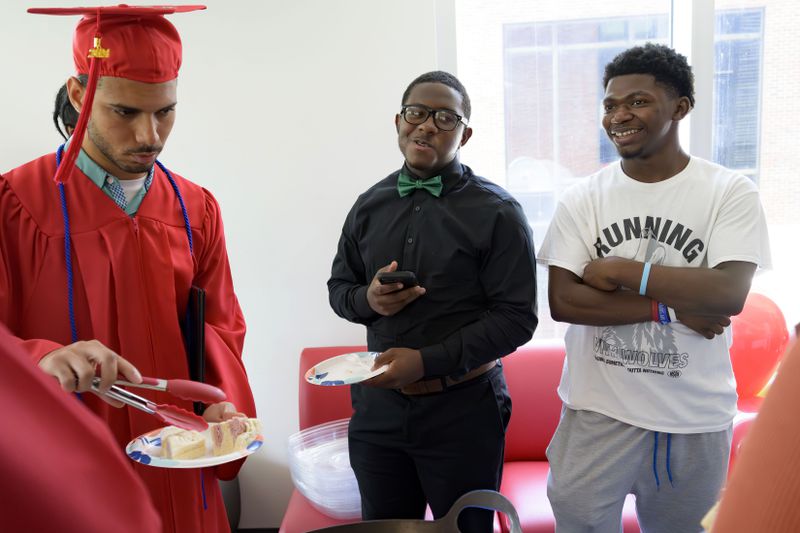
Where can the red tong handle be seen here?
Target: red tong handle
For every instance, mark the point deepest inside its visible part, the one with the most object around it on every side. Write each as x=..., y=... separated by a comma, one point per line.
x=189, y=390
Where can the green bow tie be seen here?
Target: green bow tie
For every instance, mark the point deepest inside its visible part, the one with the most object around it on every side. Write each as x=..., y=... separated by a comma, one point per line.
x=406, y=185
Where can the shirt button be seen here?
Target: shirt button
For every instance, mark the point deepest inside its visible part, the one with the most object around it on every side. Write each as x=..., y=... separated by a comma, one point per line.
x=417, y=209
x=109, y=180
x=410, y=240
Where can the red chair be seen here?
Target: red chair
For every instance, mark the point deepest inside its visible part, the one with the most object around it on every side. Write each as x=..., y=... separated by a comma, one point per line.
x=532, y=374
x=322, y=404
x=317, y=405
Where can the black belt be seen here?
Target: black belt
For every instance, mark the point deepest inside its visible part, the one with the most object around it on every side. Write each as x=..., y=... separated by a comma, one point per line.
x=431, y=386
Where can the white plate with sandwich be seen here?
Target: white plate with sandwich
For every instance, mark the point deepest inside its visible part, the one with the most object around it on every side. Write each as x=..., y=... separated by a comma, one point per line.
x=172, y=447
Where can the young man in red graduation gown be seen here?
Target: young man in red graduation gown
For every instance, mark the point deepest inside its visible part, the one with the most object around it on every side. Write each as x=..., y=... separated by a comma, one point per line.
x=111, y=296
x=49, y=439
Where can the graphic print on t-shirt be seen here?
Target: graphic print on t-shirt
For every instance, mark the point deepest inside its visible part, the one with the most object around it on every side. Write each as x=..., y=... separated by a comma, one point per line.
x=644, y=347
x=610, y=370
x=661, y=229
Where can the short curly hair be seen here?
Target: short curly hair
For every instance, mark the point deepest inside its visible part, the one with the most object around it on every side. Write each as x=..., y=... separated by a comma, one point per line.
x=668, y=67
x=445, y=78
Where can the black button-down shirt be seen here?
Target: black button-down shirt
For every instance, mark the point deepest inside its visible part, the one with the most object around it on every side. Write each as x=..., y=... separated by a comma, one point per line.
x=471, y=249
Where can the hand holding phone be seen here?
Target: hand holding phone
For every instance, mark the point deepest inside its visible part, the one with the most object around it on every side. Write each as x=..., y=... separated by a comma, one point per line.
x=406, y=277
x=393, y=291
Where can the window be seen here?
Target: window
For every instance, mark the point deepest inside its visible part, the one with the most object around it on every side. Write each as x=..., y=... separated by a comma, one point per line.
x=546, y=87
x=549, y=129
x=738, y=37
x=534, y=72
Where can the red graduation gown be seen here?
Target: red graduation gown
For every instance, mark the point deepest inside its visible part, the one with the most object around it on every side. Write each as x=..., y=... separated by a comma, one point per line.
x=132, y=276
x=61, y=469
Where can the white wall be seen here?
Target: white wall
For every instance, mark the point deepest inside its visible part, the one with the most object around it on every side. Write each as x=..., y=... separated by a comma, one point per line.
x=257, y=125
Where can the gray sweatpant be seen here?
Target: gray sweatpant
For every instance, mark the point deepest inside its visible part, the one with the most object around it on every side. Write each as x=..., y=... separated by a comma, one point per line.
x=595, y=461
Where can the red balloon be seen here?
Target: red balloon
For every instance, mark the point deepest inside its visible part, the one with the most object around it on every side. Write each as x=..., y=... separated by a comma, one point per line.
x=760, y=338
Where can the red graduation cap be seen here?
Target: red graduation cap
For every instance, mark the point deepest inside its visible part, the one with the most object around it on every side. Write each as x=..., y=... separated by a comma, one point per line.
x=133, y=42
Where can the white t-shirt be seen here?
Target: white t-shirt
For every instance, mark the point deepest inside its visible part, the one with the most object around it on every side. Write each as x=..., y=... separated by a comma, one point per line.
x=132, y=187
x=658, y=377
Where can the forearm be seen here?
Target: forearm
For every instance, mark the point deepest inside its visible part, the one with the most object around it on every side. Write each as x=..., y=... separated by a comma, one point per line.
x=497, y=333
x=223, y=321
x=38, y=348
x=11, y=314
x=347, y=286
x=508, y=278
x=577, y=303
x=35, y=349
x=224, y=340
x=349, y=301
x=700, y=291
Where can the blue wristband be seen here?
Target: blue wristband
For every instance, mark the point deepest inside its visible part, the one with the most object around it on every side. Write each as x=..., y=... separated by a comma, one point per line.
x=645, y=276
x=663, y=314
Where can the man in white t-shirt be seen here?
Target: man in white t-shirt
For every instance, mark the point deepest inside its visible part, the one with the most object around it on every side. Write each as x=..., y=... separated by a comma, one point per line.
x=648, y=259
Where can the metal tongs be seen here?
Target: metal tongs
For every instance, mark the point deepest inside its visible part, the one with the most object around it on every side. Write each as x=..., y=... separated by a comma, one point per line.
x=170, y=414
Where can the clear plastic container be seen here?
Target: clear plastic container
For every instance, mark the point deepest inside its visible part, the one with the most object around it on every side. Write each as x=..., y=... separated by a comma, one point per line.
x=320, y=468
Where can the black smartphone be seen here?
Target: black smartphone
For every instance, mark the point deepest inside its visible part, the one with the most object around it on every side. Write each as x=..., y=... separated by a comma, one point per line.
x=407, y=278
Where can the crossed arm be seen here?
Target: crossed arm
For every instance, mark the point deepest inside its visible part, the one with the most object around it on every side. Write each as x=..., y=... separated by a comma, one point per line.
x=704, y=298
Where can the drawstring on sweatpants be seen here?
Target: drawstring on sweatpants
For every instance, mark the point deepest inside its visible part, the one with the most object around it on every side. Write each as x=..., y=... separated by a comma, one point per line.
x=655, y=458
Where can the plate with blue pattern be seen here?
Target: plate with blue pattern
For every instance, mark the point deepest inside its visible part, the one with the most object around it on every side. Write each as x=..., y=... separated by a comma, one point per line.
x=345, y=369
x=147, y=449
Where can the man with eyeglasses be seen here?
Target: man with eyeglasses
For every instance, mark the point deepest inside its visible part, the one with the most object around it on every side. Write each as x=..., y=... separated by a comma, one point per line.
x=432, y=426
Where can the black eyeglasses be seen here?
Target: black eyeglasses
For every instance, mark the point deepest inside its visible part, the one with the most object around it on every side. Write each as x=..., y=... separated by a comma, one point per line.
x=443, y=119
